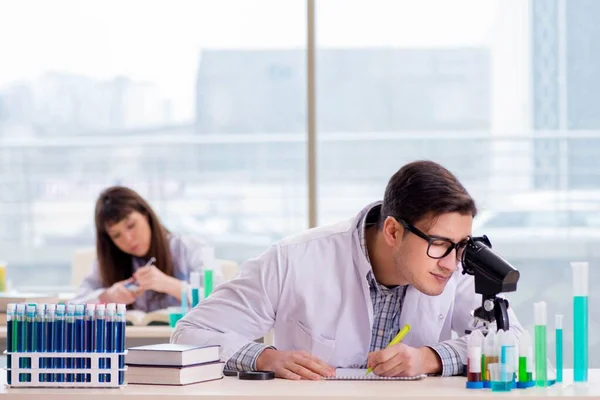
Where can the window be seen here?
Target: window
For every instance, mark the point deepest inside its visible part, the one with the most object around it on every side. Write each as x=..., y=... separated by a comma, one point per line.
x=494, y=90
x=198, y=106
x=202, y=107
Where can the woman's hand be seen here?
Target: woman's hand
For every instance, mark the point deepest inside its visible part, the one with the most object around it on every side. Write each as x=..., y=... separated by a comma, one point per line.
x=118, y=293
x=151, y=278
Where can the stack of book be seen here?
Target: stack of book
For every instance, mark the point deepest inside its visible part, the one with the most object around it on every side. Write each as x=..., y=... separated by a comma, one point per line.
x=172, y=364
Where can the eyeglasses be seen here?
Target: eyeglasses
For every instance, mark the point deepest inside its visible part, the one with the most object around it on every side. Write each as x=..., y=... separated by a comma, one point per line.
x=438, y=247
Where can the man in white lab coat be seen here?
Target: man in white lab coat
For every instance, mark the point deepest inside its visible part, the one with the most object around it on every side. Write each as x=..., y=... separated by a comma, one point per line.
x=336, y=295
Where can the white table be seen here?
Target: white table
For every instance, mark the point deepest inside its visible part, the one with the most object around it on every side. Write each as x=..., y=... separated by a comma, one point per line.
x=232, y=388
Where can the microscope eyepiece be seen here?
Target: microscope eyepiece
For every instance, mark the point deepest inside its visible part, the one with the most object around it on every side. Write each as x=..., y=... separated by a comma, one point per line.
x=493, y=274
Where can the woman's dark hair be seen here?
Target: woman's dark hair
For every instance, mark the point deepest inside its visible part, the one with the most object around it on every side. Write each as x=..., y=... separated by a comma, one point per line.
x=424, y=189
x=114, y=205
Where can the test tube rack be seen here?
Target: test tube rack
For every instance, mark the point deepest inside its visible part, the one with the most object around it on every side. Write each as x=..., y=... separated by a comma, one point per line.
x=98, y=377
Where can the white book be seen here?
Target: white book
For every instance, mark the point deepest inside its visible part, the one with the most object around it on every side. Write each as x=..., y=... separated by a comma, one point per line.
x=168, y=354
x=159, y=375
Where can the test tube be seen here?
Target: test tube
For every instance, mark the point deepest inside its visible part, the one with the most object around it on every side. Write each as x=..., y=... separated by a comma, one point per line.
x=50, y=338
x=79, y=339
x=111, y=316
x=195, y=286
x=41, y=339
x=10, y=339
x=489, y=357
x=580, y=321
x=184, y=299
x=508, y=359
x=558, y=328
x=59, y=339
x=516, y=342
x=541, y=367
x=70, y=339
x=30, y=334
x=21, y=338
x=474, y=354
x=502, y=347
x=120, y=338
x=209, y=265
x=100, y=336
x=90, y=336
x=525, y=361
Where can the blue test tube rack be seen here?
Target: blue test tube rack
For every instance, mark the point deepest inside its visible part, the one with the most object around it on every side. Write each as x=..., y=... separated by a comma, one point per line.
x=65, y=360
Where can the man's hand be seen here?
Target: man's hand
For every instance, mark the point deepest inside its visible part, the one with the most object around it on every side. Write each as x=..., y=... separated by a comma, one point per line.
x=293, y=365
x=403, y=360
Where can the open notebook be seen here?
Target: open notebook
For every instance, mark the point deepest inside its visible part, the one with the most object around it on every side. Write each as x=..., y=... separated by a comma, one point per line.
x=352, y=374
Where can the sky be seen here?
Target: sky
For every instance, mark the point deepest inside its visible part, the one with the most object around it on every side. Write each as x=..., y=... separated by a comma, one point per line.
x=160, y=41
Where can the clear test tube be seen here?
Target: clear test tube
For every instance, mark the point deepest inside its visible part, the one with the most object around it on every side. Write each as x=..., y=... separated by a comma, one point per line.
x=489, y=356
x=499, y=384
x=474, y=360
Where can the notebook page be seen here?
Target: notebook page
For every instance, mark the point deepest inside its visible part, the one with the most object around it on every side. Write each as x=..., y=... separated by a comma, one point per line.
x=361, y=374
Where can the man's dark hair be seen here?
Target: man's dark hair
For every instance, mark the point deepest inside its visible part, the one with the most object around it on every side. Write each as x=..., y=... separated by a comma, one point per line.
x=424, y=189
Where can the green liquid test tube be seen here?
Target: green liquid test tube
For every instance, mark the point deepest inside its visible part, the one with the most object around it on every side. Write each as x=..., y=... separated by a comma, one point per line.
x=210, y=263
x=208, y=282
x=541, y=367
x=525, y=358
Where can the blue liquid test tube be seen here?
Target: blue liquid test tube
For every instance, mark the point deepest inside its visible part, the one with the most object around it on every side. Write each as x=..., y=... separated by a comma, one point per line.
x=70, y=339
x=21, y=339
x=59, y=339
x=11, y=308
x=184, y=299
x=504, y=348
x=100, y=336
x=508, y=359
x=50, y=342
x=40, y=340
x=558, y=328
x=195, y=286
x=79, y=339
x=580, y=320
x=120, y=338
x=111, y=316
x=90, y=336
x=30, y=334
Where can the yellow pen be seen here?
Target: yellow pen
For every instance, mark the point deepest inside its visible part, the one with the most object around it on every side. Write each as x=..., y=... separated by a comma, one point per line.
x=397, y=339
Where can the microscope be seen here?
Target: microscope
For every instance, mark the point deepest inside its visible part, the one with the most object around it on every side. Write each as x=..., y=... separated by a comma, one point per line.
x=493, y=275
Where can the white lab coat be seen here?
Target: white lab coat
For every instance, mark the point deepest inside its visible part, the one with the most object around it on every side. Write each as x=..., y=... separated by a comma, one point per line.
x=312, y=289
